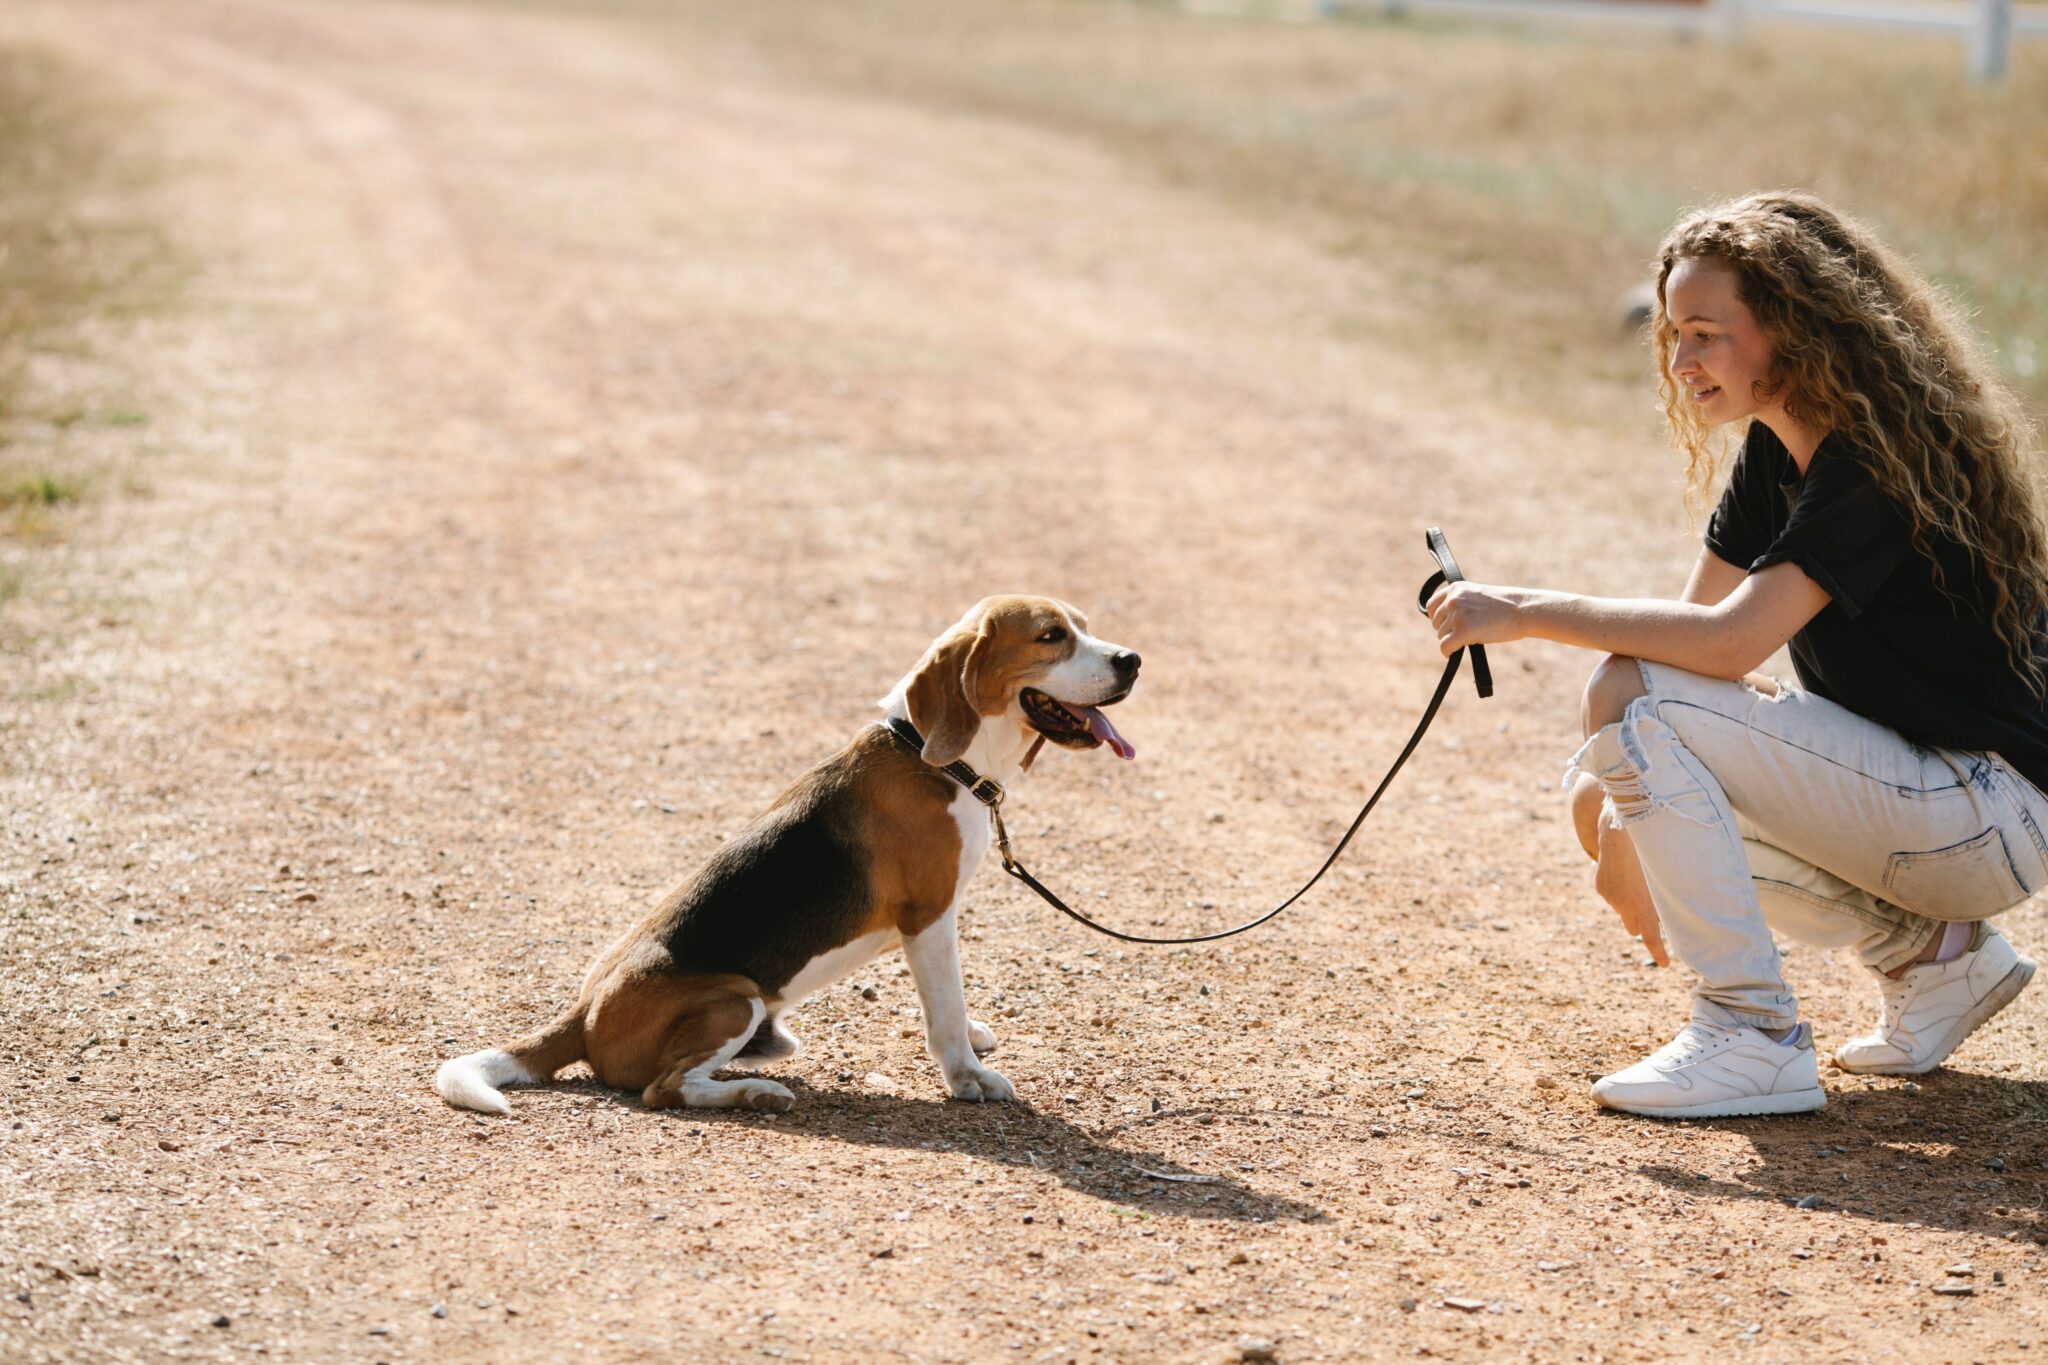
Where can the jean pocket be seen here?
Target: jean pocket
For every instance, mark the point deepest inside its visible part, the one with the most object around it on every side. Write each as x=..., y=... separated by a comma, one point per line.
x=1968, y=880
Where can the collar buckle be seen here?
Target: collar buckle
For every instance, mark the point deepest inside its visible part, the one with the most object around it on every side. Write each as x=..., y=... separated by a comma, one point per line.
x=986, y=790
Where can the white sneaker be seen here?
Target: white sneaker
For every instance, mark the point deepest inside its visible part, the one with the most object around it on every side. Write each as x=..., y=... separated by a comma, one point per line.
x=1712, y=1071
x=1936, y=1005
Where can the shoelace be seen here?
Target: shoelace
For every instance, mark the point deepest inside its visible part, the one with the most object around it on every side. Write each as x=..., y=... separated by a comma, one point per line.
x=1691, y=1041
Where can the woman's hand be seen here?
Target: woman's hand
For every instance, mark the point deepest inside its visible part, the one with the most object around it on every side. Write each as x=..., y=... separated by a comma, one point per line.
x=1619, y=879
x=1620, y=882
x=1476, y=614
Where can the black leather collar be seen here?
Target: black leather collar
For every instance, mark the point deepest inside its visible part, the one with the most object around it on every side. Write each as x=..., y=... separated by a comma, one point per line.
x=986, y=790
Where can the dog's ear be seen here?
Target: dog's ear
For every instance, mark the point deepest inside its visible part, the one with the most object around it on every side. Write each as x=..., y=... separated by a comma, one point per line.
x=945, y=695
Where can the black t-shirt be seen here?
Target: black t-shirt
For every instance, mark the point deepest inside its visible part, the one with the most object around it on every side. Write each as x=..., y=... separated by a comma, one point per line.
x=1891, y=645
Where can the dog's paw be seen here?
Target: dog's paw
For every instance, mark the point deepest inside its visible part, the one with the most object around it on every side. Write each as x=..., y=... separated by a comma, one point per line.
x=980, y=1037
x=766, y=1096
x=978, y=1083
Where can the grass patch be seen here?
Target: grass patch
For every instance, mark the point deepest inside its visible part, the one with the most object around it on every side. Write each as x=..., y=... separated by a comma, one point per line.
x=42, y=490
x=75, y=252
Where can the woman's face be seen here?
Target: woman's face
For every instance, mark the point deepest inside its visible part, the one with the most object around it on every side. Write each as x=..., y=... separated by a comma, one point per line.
x=1720, y=355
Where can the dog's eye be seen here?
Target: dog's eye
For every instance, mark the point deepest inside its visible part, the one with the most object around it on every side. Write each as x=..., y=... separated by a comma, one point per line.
x=1056, y=635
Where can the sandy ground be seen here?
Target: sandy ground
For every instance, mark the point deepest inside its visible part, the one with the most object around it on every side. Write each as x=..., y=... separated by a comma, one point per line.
x=571, y=426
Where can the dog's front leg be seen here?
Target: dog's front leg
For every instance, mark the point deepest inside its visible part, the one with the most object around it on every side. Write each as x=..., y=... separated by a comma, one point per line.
x=934, y=957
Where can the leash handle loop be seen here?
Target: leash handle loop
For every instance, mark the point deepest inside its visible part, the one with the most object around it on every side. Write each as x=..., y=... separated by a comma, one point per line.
x=1447, y=572
x=1482, y=677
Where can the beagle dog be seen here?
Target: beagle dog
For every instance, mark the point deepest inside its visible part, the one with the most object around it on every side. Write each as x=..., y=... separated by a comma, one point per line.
x=870, y=850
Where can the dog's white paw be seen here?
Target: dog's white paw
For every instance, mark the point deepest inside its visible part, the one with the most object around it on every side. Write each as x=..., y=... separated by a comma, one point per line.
x=978, y=1083
x=980, y=1037
x=766, y=1096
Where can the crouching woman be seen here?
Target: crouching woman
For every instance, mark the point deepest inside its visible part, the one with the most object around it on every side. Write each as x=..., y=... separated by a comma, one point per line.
x=1880, y=519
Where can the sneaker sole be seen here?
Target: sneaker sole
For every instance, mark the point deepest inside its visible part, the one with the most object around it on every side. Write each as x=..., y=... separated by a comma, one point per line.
x=1997, y=998
x=1791, y=1102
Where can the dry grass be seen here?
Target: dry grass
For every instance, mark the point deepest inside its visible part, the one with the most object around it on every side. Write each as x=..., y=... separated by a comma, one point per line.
x=1507, y=185
x=75, y=260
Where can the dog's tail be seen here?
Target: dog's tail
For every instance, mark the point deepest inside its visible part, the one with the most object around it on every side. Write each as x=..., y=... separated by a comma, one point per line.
x=472, y=1082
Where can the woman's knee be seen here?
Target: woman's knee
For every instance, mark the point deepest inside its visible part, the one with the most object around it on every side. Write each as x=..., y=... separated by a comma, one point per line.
x=1617, y=681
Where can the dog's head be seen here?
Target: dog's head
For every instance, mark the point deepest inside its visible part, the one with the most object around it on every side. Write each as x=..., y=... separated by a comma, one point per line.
x=1027, y=661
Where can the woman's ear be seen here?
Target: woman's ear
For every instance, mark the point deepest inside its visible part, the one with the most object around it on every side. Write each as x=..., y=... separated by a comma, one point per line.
x=940, y=705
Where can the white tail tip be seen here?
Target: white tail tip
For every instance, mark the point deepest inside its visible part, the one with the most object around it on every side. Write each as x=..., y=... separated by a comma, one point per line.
x=472, y=1082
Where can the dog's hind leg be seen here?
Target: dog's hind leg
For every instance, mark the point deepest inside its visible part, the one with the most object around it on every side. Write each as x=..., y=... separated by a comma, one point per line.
x=702, y=1040
x=772, y=1041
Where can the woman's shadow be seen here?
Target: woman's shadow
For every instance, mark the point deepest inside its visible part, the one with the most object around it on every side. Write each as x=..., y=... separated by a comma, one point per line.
x=1963, y=1152
x=1131, y=1177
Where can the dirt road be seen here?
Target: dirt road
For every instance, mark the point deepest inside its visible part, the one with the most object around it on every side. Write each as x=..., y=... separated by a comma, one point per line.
x=573, y=423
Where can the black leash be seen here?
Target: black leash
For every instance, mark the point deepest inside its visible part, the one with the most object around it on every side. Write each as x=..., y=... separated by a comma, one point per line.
x=1482, y=678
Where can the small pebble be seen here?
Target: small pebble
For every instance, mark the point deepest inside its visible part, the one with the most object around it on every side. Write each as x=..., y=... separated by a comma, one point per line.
x=1255, y=1348
x=1407, y=1305
x=1812, y=1201
x=1959, y=1268
x=1546, y=1083
x=222, y=1321
x=1996, y=1163
x=1911, y=1087
x=1956, y=1288
x=885, y=1253
x=1377, y=1131
x=1465, y=1305
x=439, y=1310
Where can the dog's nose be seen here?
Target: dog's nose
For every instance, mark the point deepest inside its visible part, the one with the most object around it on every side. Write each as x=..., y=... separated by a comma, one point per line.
x=1126, y=663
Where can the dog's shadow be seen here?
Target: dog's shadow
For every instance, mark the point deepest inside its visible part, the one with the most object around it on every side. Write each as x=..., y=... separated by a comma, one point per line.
x=1016, y=1135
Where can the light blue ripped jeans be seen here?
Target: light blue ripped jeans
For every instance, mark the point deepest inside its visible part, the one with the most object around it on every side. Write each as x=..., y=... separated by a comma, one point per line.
x=1752, y=813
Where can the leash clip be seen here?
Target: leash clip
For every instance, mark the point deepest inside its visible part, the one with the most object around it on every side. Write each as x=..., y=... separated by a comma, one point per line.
x=995, y=815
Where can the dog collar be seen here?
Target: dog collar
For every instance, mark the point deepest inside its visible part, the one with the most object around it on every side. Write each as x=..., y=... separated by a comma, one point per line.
x=986, y=790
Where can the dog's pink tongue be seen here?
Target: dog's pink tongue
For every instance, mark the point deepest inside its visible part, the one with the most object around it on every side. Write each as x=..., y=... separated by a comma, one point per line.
x=1099, y=726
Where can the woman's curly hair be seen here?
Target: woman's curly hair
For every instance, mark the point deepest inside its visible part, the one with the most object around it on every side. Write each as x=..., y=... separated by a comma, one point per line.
x=1864, y=347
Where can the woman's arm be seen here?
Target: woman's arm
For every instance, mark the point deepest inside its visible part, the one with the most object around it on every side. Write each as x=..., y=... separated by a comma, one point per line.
x=1724, y=639
x=1713, y=578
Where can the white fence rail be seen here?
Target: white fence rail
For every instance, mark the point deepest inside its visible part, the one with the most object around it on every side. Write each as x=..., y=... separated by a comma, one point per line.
x=1987, y=27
